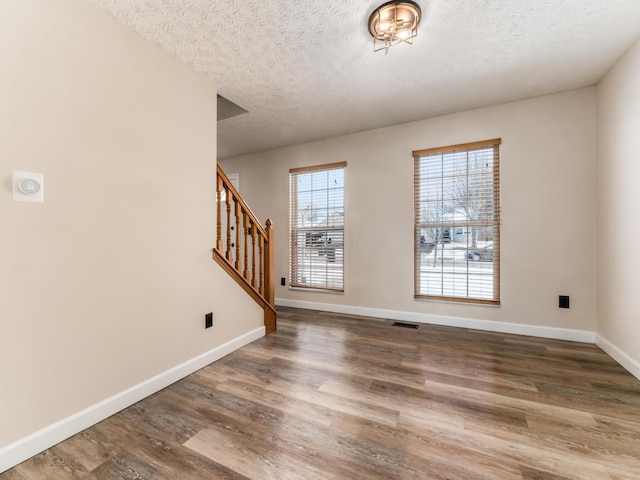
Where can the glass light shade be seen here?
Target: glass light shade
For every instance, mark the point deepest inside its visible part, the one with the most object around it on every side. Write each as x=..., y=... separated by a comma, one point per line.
x=394, y=22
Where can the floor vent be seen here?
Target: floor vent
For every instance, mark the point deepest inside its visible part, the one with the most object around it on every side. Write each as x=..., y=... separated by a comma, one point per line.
x=405, y=325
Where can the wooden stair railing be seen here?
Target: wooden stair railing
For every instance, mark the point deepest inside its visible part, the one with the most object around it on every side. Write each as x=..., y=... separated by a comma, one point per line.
x=244, y=248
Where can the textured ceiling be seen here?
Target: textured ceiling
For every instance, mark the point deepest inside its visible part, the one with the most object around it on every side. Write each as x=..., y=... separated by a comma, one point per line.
x=305, y=69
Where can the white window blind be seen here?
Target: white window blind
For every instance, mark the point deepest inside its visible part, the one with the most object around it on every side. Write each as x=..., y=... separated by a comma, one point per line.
x=457, y=222
x=316, y=222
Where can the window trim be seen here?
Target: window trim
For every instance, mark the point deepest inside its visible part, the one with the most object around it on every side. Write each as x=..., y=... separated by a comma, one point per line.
x=293, y=284
x=316, y=168
x=460, y=148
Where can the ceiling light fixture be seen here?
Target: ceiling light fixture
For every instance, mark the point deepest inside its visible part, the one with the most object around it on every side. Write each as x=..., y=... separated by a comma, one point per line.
x=394, y=22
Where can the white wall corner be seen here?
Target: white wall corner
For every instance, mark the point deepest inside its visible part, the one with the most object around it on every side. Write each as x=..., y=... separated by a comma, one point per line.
x=485, y=325
x=619, y=356
x=19, y=451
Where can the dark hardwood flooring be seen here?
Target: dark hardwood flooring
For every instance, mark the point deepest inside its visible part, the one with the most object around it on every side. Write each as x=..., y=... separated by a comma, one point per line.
x=330, y=396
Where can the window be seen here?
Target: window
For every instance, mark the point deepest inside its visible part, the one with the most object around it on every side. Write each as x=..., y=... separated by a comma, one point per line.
x=457, y=222
x=316, y=222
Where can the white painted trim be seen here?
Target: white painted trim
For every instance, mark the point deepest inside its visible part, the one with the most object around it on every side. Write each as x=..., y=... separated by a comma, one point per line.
x=19, y=451
x=487, y=325
x=619, y=356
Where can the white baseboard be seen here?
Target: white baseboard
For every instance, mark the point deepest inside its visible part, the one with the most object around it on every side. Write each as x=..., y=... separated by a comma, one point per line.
x=486, y=325
x=19, y=451
x=619, y=356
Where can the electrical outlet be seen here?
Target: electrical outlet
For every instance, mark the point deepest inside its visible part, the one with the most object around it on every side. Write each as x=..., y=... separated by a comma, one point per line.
x=563, y=301
x=208, y=320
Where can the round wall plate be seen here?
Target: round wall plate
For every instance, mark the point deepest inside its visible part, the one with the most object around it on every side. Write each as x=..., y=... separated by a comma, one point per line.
x=29, y=186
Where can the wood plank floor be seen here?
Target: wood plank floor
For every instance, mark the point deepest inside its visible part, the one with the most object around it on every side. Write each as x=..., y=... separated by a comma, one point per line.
x=330, y=396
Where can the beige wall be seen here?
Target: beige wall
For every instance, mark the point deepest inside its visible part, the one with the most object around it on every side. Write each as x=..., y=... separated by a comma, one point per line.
x=619, y=201
x=107, y=282
x=548, y=208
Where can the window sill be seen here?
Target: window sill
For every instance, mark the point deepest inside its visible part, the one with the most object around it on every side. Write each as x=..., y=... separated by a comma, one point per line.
x=316, y=290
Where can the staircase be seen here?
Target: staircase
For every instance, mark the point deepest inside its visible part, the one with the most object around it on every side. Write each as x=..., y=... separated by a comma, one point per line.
x=244, y=248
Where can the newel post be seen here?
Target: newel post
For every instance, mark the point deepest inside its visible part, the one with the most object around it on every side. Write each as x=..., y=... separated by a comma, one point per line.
x=269, y=285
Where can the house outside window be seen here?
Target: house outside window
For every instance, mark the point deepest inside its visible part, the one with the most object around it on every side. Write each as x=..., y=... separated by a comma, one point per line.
x=457, y=222
x=316, y=227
